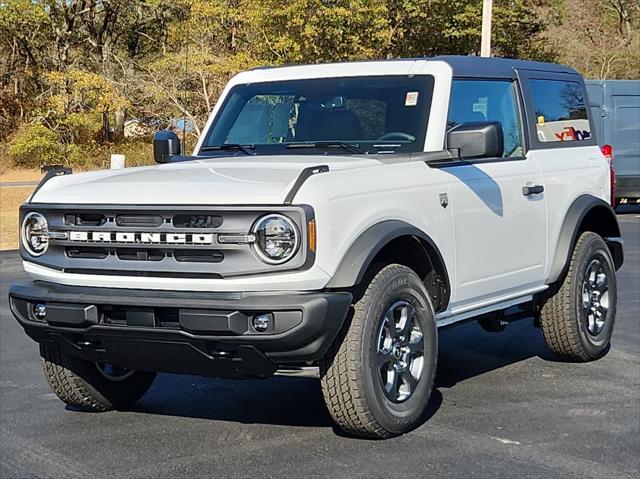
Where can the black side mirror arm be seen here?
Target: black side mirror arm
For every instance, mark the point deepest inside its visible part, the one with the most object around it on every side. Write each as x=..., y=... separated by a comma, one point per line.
x=438, y=158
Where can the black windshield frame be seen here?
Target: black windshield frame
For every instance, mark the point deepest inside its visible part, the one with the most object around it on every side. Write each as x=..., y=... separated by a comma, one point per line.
x=400, y=110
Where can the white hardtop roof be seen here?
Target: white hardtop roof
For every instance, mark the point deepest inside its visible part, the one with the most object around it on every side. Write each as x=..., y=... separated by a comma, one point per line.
x=329, y=70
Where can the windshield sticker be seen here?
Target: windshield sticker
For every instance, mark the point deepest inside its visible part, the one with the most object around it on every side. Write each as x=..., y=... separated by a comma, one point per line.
x=481, y=106
x=411, y=98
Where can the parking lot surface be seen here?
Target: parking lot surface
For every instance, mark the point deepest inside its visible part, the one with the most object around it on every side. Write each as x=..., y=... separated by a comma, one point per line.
x=503, y=406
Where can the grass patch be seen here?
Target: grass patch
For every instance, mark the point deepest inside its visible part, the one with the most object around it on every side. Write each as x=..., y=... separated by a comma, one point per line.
x=138, y=153
x=10, y=201
x=14, y=174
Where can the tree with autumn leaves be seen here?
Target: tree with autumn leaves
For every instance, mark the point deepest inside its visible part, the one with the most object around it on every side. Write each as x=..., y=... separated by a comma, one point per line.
x=68, y=68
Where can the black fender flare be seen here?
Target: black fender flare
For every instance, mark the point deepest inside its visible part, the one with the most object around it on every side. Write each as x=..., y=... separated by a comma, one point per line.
x=570, y=230
x=363, y=250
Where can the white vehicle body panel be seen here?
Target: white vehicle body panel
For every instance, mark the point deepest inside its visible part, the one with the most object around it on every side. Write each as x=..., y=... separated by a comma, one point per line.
x=348, y=202
x=568, y=173
x=500, y=234
x=224, y=181
x=310, y=280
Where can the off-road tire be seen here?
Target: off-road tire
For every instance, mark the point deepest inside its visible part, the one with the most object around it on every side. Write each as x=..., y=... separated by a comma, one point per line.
x=561, y=317
x=80, y=384
x=354, y=397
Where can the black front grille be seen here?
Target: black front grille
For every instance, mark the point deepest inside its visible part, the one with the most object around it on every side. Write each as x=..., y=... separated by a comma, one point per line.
x=142, y=254
x=148, y=241
x=144, y=220
x=160, y=226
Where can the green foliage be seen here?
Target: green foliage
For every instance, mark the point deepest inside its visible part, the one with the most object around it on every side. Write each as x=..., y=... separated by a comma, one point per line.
x=138, y=153
x=68, y=64
x=305, y=31
x=33, y=146
x=94, y=156
x=79, y=128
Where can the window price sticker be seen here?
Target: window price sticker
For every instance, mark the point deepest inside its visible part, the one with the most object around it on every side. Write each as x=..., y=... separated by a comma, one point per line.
x=411, y=99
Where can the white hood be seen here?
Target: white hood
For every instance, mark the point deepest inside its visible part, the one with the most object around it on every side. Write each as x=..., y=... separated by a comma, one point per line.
x=219, y=181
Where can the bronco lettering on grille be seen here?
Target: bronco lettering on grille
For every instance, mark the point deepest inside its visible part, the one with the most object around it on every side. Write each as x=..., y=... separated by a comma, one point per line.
x=141, y=237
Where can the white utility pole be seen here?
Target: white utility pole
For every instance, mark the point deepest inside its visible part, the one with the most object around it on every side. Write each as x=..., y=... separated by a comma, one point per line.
x=485, y=47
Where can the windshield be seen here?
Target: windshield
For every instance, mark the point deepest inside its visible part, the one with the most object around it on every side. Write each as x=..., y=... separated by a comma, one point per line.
x=380, y=114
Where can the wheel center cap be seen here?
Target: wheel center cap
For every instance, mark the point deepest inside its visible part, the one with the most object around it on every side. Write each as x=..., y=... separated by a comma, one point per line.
x=397, y=351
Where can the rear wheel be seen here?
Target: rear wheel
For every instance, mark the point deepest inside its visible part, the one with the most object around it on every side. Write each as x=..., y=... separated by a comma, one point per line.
x=92, y=386
x=378, y=377
x=577, y=321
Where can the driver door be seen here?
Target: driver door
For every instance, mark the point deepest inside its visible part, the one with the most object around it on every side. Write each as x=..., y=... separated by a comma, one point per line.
x=500, y=233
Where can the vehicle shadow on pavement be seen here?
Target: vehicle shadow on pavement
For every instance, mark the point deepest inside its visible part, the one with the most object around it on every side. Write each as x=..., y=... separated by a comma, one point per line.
x=285, y=401
x=288, y=401
x=465, y=351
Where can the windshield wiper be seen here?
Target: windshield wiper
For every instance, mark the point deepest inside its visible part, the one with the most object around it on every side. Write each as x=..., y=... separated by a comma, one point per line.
x=350, y=147
x=247, y=149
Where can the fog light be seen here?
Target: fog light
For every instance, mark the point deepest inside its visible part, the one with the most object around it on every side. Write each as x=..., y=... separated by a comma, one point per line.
x=262, y=322
x=40, y=311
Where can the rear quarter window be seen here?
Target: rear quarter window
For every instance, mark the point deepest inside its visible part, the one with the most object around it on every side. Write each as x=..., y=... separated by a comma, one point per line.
x=560, y=111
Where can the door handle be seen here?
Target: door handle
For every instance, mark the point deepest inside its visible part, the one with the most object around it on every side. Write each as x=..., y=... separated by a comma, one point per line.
x=529, y=189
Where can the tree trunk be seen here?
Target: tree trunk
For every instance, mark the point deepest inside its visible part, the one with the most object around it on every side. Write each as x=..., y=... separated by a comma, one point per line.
x=118, y=127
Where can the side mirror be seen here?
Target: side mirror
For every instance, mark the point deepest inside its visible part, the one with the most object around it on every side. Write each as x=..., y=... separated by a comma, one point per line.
x=482, y=139
x=165, y=144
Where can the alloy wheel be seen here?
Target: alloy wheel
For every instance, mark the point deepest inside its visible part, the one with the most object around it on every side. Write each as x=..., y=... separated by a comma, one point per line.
x=400, y=351
x=595, y=297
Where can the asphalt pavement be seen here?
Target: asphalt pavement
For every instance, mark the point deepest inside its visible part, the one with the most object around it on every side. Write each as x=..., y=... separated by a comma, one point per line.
x=503, y=406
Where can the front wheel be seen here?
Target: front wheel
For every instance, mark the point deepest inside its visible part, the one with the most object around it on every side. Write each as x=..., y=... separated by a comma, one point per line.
x=577, y=320
x=92, y=386
x=378, y=377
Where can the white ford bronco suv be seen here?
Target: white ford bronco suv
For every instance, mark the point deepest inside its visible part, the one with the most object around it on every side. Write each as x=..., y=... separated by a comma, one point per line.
x=330, y=216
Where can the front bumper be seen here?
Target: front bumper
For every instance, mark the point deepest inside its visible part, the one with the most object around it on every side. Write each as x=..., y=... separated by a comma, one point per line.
x=209, y=334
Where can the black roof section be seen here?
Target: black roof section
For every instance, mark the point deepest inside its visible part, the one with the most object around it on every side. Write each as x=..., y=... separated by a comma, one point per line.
x=471, y=66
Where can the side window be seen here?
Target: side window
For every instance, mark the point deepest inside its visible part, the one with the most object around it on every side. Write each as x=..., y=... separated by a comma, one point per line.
x=561, y=111
x=488, y=100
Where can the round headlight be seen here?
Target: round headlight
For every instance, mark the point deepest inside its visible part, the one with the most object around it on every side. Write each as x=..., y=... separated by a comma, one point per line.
x=35, y=234
x=277, y=239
